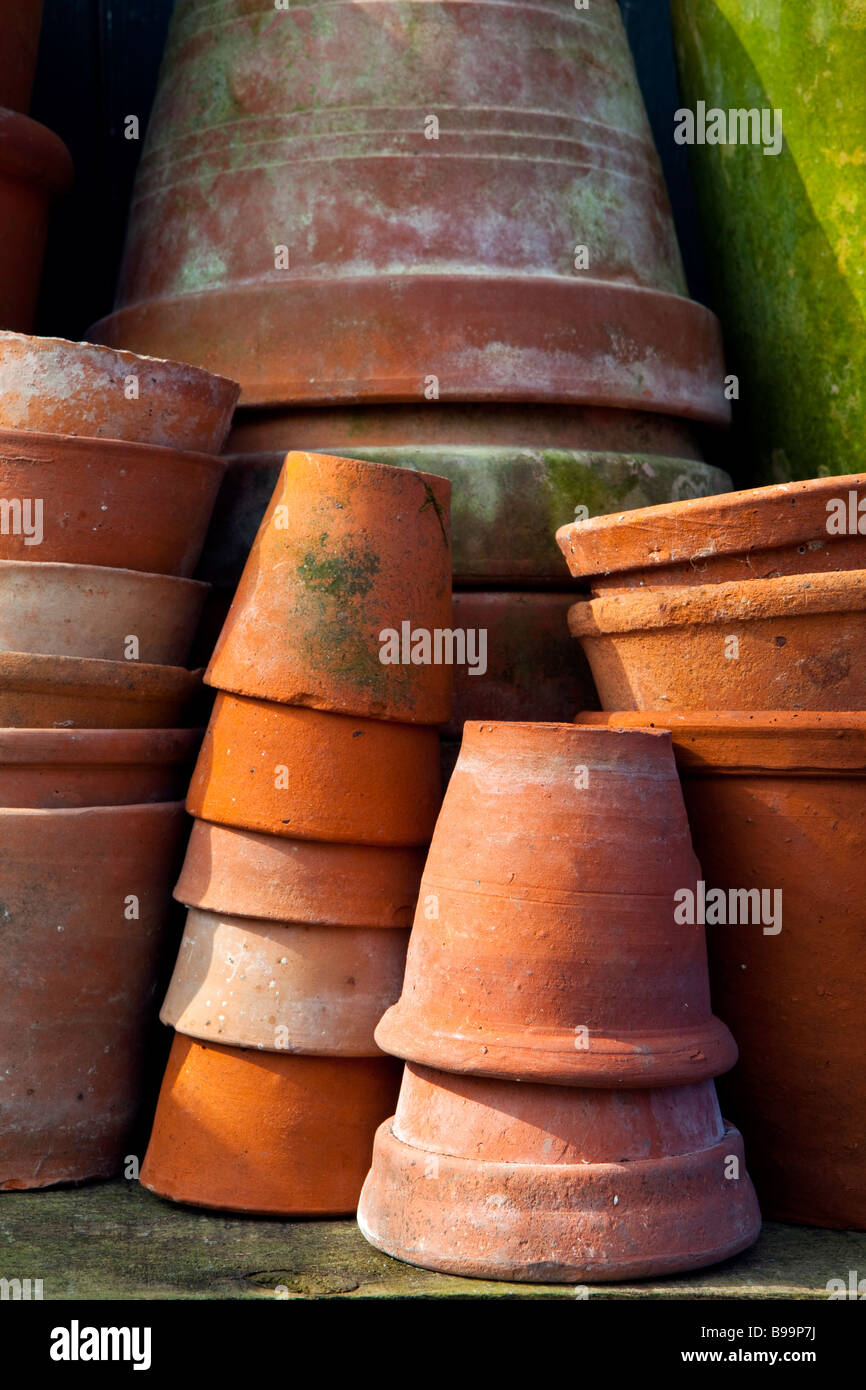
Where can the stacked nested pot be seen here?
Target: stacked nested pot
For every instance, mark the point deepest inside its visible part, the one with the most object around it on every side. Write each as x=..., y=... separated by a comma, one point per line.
x=315, y=794
x=740, y=624
x=104, y=502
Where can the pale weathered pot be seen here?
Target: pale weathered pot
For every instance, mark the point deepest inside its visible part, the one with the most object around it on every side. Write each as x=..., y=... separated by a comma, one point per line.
x=20, y=23
x=42, y=769
x=86, y=903
x=35, y=168
x=94, y=611
x=797, y=642
x=554, y=1184
x=70, y=692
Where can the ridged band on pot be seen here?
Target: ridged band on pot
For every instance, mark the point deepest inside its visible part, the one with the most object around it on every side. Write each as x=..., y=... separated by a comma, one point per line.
x=267, y=876
x=70, y=692
x=35, y=168
x=95, y=611
x=265, y=1133
x=311, y=775
x=54, y=386
x=545, y=946
x=351, y=560
x=788, y=529
x=20, y=23
x=86, y=901
x=284, y=986
x=44, y=769
x=796, y=642
x=104, y=502
x=466, y=1179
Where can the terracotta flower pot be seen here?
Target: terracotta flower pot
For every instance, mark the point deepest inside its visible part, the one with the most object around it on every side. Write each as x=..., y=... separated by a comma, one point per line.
x=86, y=900
x=43, y=769
x=35, y=168
x=265, y=1133
x=93, y=611
x=309, y=775
x=250, y=875
x=787, y=529
x=69, y=692
x=20, y=23
x=469, y=1179
x=53, y=386
x=778, y=802
x=796, y=642
x=388, y=269
x=544, y=946
x=284, y=986
x=347, y=553
x=104, y=502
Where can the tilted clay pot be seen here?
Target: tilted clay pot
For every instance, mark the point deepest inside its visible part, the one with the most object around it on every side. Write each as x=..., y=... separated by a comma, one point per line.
x=797, y=642
x=787, y=529
x=20, y=23
x=86, y=902
x=54, y=386
x=41, y=769
x=544, y=946
x=311, y=775
x=266, y=1133
x=70, y=692
x=347, y=553
x=35, y=168
x=94, y=611
x=284, y=986
x=250, y=875
x=555, y=1184
x=104, y=502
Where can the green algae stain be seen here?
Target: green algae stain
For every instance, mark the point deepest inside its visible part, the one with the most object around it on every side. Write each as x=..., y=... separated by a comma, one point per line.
x=347, y=575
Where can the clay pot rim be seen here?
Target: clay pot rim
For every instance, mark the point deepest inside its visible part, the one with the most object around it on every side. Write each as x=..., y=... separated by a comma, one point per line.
x=25, y=442
x=34, y=569
x=36, y=342
x=386, y=471
x=38, y=671
x=269, y=924
x=473, y=729
x=31, y=153
x=151, y=808
x=62, y=747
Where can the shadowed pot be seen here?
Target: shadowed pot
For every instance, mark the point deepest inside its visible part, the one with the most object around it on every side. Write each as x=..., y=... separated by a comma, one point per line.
x=311, y=177
x=20, y=23
x=544, y=946
x=777, y=806
x=41, y=769
x=265, y=1133
x=554, y=1184
x=284, y=986
x=70, y=692
x=86, y=902
x=35, y=168
x=797, y=642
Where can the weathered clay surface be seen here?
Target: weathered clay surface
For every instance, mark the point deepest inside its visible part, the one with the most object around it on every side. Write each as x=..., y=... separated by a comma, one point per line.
x=35, y=168
x=69, y=692
x=44, y=769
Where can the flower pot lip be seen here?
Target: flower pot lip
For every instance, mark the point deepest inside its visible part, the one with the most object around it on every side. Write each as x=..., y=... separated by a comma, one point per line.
x=25, y=442
x=34, y=570
x=156, y=809
x=702, y=528
x=525, y=730
x=37, y=343
x=38, y=671
x=33, y=154
x=62, y=747
x=386, y=472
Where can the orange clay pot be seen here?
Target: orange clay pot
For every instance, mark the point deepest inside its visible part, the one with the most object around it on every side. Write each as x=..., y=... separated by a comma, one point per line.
x=544, y=946
x=250, y=875
x=68, y=692
x=284, y=986
x=265, y=1133
x=759, y=534
x=792, y=643
x=315, y=776
x=778, y=801
x=468, y=1178
x=104, y=502
x=347, y=552
x=20, y=23
x=78, y=982
x=35, y=168
x=41, y=769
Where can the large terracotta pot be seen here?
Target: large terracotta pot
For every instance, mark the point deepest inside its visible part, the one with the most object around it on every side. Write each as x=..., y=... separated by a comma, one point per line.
x=104, y=502
x=554, y=1184
x=69, y=692
x=313, y=123
x=20, y=23
x=778, y=802
x=86, y=901
x=544, y=946
x=53, y=386
x=44, y=769
x=264, y=1133
x=35, y=168
x=797, y=642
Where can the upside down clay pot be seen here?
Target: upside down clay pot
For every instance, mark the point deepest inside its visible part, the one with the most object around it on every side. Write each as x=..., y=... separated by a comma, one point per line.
x=249, y=875
x=35, y=168
x=467, y=1178
x=284, y=986
x=20, y=23
x=310, y=775
x=796, y=642
x=68, y=692
x=266, y=1133
x=544, y=946
x=41, y=769
x=86, y=902
x=347, y=553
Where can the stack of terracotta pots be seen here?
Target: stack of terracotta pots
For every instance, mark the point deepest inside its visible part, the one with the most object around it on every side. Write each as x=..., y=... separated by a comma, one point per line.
x=558, y=1119
x=96, y=471
x=740, y=624
x=316, y=790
